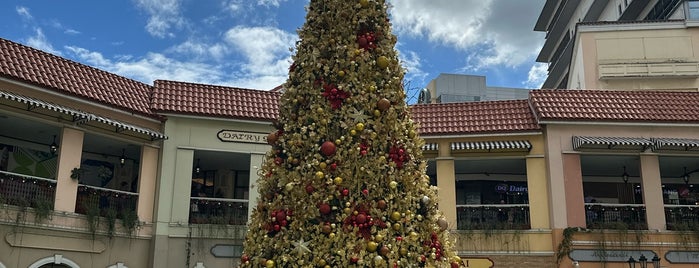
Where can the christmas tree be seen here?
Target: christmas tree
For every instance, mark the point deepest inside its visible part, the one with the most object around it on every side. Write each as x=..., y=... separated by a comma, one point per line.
x=345, y=183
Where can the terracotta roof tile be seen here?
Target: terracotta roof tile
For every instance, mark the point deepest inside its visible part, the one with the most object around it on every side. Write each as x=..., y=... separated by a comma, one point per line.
x=474, y=117
x=33, y=66
x=219, y=101
x=619, y=106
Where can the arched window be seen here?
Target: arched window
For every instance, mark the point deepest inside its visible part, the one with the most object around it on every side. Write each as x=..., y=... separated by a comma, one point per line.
x=118, y=265
x=55, y=261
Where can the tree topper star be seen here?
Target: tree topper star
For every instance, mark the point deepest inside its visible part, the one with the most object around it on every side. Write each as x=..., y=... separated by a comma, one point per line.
x=358, y=116
x=301, y=246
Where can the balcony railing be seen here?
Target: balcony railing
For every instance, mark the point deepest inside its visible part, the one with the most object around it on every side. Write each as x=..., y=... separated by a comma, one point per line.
x=205, y=210
x=496, y=216
x=27, y=191
x=100, y=201
x=682, y=217
x=615, y=216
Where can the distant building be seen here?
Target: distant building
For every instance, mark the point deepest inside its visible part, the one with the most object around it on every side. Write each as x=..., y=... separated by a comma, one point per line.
x=627, y=45
x=448, y=88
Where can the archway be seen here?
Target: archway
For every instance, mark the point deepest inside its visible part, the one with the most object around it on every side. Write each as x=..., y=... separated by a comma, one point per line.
x=55, y=261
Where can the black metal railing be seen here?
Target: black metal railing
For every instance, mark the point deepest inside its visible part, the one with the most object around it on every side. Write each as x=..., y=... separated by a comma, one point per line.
x=205, y=210
x=100, y=201
x=27, y=191
x=495, y=216
x=682, y=217
x=615, y=216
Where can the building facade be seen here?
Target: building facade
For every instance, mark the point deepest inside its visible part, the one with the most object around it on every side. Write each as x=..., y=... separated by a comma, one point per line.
x=164, y=175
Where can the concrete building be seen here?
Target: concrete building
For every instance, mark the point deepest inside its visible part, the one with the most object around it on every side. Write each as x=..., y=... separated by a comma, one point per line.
x=163, y=175
x=620, y=44
x=448, y=88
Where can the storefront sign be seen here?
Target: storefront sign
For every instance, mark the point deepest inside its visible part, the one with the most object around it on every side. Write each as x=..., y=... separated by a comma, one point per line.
x=682, y=256
x=506, y=188
x=478, y=262
x=227, y=251
x=238, y=136
x=598, y=255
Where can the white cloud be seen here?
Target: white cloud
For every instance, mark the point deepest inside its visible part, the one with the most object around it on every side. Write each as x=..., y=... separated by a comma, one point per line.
x=164, y=15
x=201, y=50
x=489, y=30
x=23, y=12
x=268, y=3
x=537, y=75
x=40, y=42
x=265, y=49
x=410, y=60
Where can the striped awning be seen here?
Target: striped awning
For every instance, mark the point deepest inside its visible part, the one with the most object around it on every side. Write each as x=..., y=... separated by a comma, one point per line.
x=430, y=147
x=33, y=103
x=80, y=116
x=512, y=146
x=581, y=143
x=675, y=144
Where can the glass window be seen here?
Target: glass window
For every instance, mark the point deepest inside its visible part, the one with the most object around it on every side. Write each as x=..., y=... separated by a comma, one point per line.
x=693, y=10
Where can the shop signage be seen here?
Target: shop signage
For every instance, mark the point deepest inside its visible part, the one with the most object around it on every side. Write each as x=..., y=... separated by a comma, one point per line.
x=478, y=262
x=227, y=251
x=505, y=188
x=598, y=255
x=682, y=256
x=239, y=136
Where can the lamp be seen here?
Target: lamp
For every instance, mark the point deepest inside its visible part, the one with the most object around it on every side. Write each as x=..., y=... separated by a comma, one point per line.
x=656, y=261
x=197, y=169
x=632, y=262
x=53, y=148
x=576, y=264
x=122, y=159
x=685, y=177
x=625, y=176
x=643, y=260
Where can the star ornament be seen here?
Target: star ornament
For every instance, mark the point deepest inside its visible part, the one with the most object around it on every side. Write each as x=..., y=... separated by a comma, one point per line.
x=301, y=247
x=358, y=115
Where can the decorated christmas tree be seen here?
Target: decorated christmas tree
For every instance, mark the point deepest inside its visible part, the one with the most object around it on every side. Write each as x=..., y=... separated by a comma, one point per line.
x=345, y=184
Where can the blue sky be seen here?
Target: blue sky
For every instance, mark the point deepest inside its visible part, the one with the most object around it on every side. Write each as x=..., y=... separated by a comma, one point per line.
x=246, y=43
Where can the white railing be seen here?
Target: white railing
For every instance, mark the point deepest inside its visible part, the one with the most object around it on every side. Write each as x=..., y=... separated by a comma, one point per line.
x=208, y=210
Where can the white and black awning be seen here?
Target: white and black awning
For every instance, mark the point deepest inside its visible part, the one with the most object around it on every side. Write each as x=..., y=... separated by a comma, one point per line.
x=581, y=143
x=512, y=146
x=430, y=147
x=80, y=117
x=675, y=144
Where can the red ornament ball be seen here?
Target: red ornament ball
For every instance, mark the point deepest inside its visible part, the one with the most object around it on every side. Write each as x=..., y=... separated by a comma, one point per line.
x=310, y=189
x=281, y=216
x=454, y=265
x=383, y=104
x=361, y=218
x=324, y=209
x=272, y=138
x=328, y=148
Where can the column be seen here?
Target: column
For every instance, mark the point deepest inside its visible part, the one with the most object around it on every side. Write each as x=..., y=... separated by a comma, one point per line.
x=182, y=190
x=446, y=181
x=652, y=191
x=574, y=196
x=256, y=160
x=147, y=178
x=538, y=192
x=69, y=155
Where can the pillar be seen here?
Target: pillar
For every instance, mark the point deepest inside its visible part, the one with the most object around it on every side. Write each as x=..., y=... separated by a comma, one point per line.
x=69, y=156
x=652, y=191
x=256, y=160
x=574, y=196
x=147, y=179
x=446, y=181
x=538, y=193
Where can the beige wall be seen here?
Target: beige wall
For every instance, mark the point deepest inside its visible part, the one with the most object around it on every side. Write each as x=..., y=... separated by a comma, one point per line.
x=629, y=57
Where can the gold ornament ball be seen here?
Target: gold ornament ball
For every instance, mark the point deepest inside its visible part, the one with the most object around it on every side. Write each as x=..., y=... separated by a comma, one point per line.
x=269, y=264
x=383, y=104
x=393, y=184
x=443, y=224
x=371, y=246
x=364, y=3
x=320, y=174
x=382, y=62
x=359, y=126
x=395, y=216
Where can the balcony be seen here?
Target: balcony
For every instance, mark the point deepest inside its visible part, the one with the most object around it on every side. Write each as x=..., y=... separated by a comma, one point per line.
x=615, y=216
x=100, y=201
x=206, y=210
x=493, y=216
x=682, y=217
x=27, y=191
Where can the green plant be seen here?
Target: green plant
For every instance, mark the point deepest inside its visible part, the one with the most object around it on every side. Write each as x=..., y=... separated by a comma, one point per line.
x=129, y=220
x=22, y=205
x=76, y=173
x=111, y=216
x=93, y=215
x=566, y=244
x=42, y=210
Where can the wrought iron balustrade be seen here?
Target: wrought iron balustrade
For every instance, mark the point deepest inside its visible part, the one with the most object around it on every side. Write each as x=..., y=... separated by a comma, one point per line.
x=615, y=216
x=495, y=216
x=682, y=217
x=26, y=191
x=102, y=200
x=206, y=210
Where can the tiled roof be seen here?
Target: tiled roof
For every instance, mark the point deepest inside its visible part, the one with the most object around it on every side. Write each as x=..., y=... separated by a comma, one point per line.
x=474, y=117
x=23, y=63
x=616, y=106
x=217, y=101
